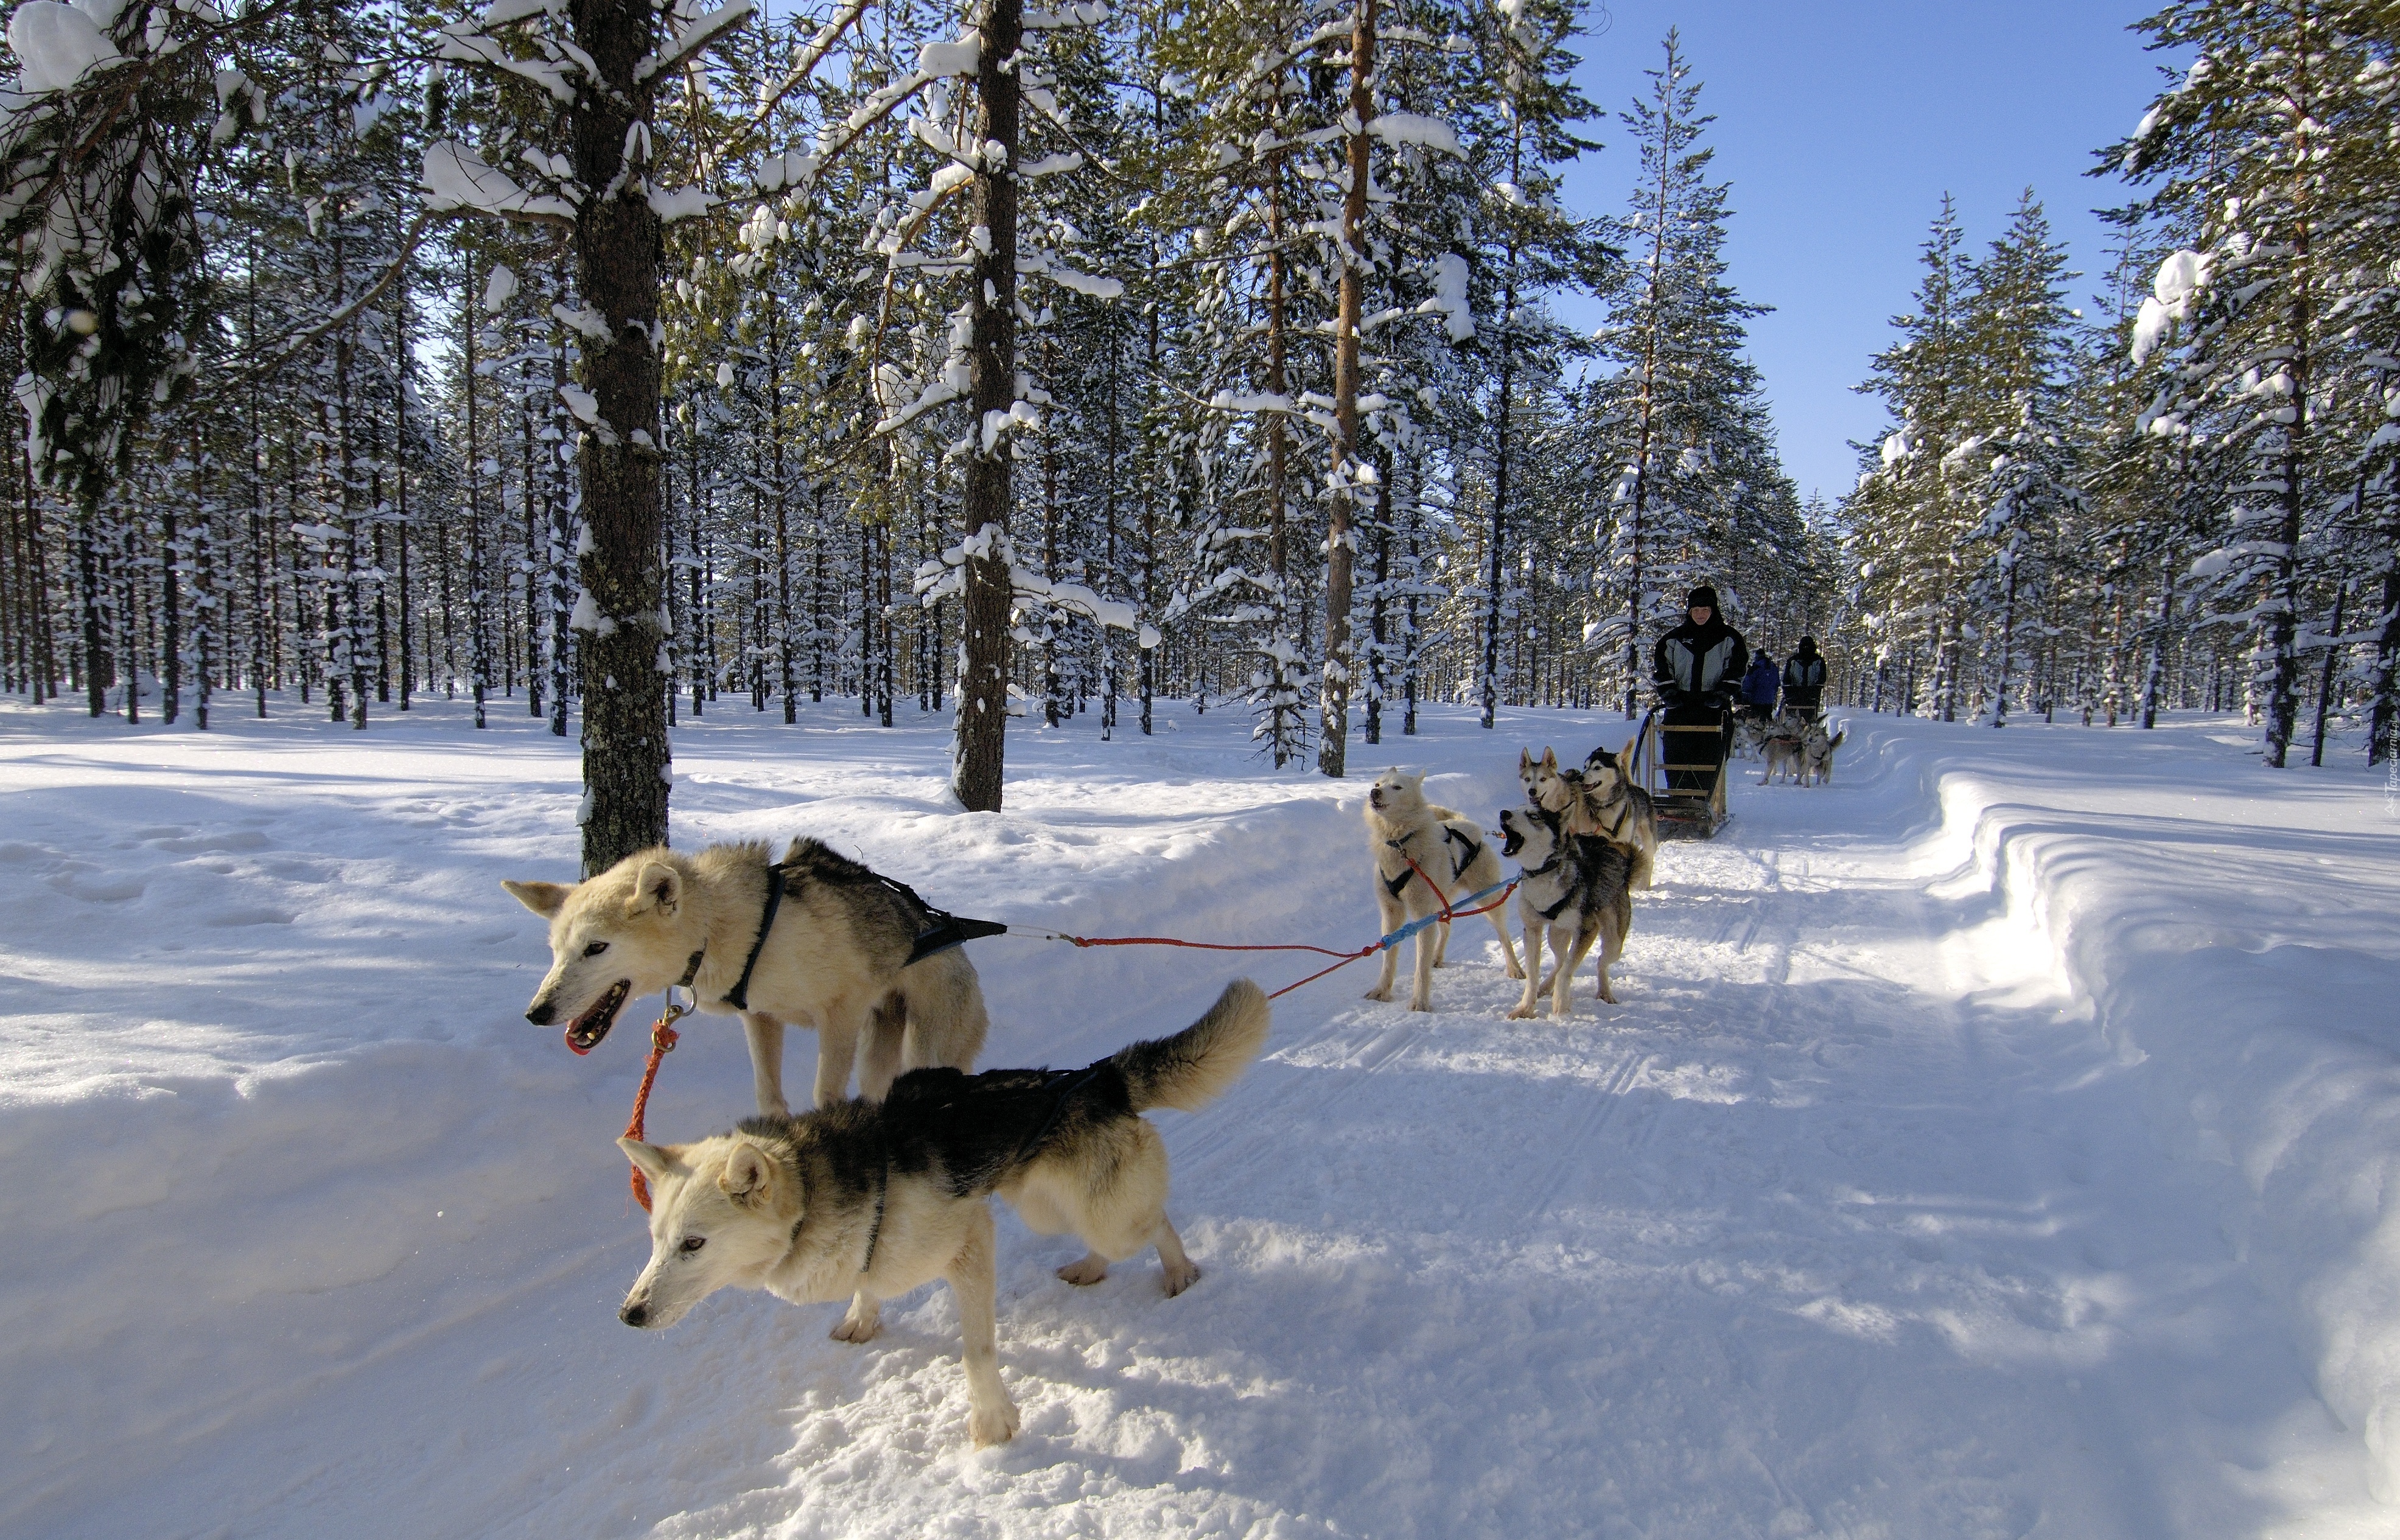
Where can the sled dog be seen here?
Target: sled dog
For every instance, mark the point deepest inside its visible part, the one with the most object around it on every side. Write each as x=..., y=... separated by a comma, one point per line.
x=1817, y=754
x=816, y=940
x=869, y=1200
x=1601, y=798
x=1750, y=735
x=1615, y=807
x=1577, y=889
x=1446, y=849
x=1782, y=747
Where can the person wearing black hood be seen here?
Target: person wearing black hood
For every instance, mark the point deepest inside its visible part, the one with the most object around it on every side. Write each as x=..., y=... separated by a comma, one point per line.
x=1696, y=669
x=1804, y=679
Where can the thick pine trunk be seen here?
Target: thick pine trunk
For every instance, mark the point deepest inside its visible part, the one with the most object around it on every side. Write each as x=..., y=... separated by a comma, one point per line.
x=617, y=253
x=1341, y=544
x=982, y=687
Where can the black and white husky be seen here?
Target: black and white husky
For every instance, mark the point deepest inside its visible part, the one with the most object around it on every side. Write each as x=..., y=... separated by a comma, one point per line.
x=1577, y=890
x=865, y=1200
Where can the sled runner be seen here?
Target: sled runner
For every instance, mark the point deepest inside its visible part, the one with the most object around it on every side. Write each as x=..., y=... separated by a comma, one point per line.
x=1681, y=762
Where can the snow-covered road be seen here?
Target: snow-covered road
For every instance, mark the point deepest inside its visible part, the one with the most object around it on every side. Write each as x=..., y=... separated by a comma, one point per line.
x=1994, y=1143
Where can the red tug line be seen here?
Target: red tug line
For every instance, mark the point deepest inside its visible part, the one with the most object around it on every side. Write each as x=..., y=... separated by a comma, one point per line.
x=663, y=1036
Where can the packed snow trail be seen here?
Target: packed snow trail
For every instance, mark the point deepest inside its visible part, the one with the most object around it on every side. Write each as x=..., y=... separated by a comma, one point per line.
x=1988, y=1144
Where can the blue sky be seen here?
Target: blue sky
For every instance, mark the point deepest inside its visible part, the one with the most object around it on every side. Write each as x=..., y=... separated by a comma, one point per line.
x=1840, y=126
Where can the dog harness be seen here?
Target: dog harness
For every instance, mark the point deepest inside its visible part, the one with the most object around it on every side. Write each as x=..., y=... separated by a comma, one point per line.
x=941, y=932
x=874, y=1227
x=738, y=996
x=1459, y=863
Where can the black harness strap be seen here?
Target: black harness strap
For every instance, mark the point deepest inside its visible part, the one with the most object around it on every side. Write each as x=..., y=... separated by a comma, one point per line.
x=875, y=1228
x=942, y=928
x=738, y=996
x=1063, y=1085
x=941, y=931
x=1460, y=863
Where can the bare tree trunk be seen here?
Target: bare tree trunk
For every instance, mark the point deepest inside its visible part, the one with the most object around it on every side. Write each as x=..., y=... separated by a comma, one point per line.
x=2325, y=683
x=1342, y=542
x=617, y=250
x=983, y=688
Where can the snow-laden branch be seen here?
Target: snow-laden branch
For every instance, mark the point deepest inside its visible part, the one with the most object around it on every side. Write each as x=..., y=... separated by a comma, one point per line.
x=462, y=45
x=806, y=65
x=1040, y=263
x=694, y=36
x=1432, y=133
x=57, y=46
x=457, y=178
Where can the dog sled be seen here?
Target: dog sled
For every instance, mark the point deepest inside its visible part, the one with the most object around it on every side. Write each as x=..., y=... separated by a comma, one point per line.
x=1681, y=765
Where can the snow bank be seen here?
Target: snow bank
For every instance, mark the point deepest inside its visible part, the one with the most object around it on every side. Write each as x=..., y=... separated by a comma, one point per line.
x=2233, y=929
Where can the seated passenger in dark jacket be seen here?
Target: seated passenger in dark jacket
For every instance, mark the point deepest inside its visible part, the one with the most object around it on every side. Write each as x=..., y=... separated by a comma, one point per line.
x=1759, y=686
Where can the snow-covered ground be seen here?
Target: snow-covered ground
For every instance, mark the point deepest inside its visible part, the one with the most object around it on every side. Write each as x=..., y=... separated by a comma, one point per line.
x=2001, y=1141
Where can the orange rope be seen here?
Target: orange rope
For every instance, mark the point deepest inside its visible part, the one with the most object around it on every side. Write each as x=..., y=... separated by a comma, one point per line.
x=663, y=1041
x=664, y=1035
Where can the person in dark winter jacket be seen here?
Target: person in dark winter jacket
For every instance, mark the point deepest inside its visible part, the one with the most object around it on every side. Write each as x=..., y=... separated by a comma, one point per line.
x=1696, y=669
x=1804, y=678
x=1701, y=661
x=1759, y=686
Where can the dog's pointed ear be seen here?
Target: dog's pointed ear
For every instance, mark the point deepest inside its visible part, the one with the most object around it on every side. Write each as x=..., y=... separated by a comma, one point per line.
x=749, y=1174
x=543, y=898
x=1550, y=759
x=1624, y=755
x=658, y=886
x=654, y=1161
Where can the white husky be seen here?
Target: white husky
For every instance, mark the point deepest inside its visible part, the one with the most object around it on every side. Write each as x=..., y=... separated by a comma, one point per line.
x=814, y=940
x=1415, y=842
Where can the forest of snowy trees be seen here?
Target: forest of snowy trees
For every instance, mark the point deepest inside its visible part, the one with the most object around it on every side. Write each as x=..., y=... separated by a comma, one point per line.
x=2184, y=496
x=611, y=365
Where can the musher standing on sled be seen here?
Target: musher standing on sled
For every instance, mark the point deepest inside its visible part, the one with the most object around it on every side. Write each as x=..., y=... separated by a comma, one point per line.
x=1696, y=669
x=1803, y=680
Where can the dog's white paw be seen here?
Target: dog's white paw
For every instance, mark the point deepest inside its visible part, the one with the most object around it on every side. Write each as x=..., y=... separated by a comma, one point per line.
x=1415, y=1004
x=1515, y=971
x=855, y=1327
x=1180, y=1276
x=1086, y=1270
x=1379, y=994
x=1523, y=1013
x=989, y=1426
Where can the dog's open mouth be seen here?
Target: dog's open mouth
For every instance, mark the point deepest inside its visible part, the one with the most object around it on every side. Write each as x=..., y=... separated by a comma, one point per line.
x=584, y=1032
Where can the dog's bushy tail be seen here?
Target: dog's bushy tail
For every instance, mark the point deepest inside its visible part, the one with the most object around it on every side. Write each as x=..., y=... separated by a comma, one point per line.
x=1199, y=1064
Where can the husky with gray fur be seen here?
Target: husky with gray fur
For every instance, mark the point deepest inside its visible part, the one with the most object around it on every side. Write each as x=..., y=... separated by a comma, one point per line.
x=866, y=1201
x=1602, y=799
x=1783, y=748
x=1817, y=754
x=1576, y=889
x=1402, y=827
x=836, y=958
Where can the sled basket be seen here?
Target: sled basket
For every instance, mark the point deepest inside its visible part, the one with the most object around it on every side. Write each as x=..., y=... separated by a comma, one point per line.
x=1682, y=768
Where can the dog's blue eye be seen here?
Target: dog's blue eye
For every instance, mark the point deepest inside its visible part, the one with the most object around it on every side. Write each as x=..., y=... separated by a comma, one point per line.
x=595, y=948
x=694, y=1243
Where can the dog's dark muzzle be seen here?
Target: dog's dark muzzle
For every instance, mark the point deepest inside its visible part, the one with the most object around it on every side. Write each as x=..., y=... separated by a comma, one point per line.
x=584, y=1032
